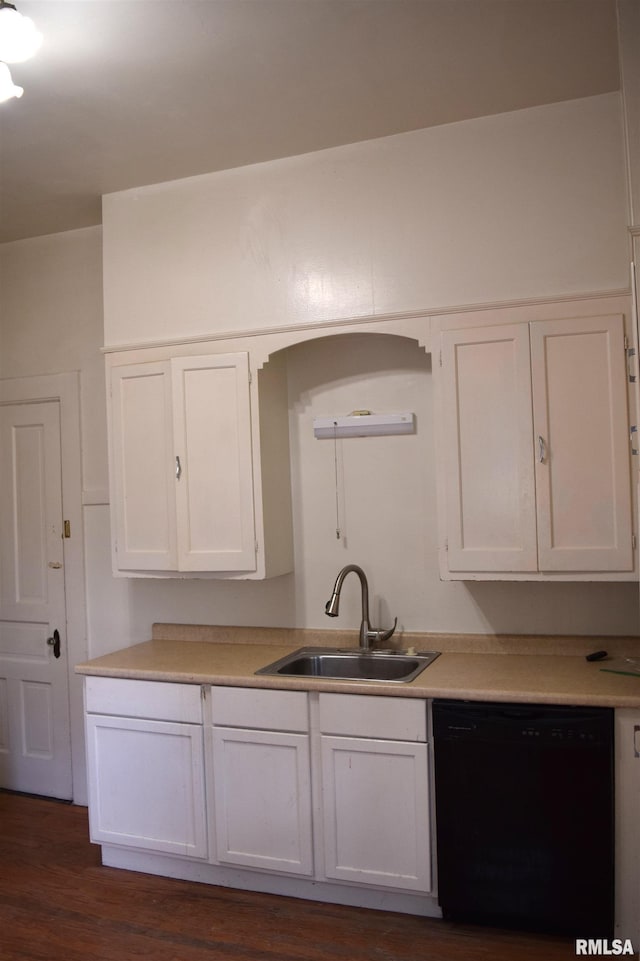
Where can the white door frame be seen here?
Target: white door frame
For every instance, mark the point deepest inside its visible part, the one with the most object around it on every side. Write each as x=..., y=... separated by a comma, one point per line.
x=634, y=278
x=65, y=388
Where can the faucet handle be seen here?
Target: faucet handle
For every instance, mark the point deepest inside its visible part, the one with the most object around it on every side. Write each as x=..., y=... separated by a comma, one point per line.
x=378, y=636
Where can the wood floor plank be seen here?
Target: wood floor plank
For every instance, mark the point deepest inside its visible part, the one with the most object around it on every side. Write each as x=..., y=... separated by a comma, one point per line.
x=57, y=903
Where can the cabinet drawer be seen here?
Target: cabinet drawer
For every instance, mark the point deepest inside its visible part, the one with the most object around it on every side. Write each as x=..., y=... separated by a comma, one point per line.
x=360, y=715
x=150, y=699
x=264, y=710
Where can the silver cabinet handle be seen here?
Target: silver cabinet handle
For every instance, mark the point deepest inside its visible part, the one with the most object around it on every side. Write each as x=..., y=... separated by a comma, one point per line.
x=178, y=468
x=542, y=449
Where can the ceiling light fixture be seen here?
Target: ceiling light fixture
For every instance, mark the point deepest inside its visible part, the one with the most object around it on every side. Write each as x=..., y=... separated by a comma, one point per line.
x=19, y=38
x=8, y=88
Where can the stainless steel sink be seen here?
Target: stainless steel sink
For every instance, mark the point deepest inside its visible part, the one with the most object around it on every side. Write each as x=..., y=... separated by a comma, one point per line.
x=351, y=665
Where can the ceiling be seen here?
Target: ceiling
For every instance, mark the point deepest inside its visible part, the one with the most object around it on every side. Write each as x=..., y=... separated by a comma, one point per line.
x=131, y=92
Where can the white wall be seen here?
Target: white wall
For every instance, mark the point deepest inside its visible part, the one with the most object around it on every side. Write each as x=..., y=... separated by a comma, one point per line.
x=51, y=320
x=629, y=30
x=523, y=204
x=526, y=204
x=388, y=518
x=388, y=509
x=534, y=205
x=51, y=323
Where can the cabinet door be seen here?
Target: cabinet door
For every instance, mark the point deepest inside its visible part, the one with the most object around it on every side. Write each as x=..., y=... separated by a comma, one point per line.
x=262, y=788
x=581, y=438
x=376, y=812
x=142, y=476
x=212, y=433
x=146, y=784
x=489, y=472
x=627, y=805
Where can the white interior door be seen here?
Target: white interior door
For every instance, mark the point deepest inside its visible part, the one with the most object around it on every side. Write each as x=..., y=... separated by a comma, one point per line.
x=35, y=749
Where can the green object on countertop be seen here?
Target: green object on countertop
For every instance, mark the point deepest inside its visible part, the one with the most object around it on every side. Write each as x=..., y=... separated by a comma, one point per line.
x=623, y=665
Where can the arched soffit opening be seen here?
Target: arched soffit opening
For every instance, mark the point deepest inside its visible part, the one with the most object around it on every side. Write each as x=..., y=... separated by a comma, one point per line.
x=357, y=367
x=417, y=329
x=350, y=341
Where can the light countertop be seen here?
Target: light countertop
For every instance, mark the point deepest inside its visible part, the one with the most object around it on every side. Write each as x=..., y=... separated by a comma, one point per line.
x=542, y=670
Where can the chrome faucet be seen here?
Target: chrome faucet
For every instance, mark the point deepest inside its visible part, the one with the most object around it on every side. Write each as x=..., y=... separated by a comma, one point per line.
x=368, y=636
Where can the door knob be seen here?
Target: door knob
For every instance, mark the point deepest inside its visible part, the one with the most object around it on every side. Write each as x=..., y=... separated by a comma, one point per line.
x=54, y=642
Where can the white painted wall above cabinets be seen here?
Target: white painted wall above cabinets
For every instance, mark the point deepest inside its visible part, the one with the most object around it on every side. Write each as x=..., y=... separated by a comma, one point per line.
x=629, y=33
x=376, y=490
x=389, y=513
x=524, y=204
x=51, y=322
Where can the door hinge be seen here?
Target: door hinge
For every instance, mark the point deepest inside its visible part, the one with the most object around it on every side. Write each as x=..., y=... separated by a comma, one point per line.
x=633, y=430
x=440, y=358
x=630, y=352
x=634, y=542
x=67, y=529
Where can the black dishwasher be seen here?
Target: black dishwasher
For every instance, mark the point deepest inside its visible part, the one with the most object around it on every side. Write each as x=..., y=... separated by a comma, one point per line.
x=524, y=815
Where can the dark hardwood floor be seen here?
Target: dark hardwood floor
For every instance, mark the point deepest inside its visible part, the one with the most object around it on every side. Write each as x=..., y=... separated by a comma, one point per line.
x=57, y=903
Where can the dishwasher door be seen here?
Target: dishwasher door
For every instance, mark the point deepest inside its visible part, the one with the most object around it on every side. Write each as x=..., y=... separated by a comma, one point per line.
x=524, y=815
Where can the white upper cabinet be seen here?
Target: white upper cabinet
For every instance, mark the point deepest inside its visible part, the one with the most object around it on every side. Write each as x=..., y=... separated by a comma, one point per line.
x=142, y=488
x=141, y=450
x=214, y=483
x=581, y=445
x=190, y=490
x=488, y=457
x=534, y=449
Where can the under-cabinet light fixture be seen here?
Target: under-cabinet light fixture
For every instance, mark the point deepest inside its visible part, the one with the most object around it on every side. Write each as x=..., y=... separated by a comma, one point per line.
x=364, y=424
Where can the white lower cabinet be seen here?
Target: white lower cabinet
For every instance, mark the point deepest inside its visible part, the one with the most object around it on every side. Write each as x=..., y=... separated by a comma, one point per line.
x=328, y=789
x=375, y=792
x=376, y=812
x=261, y=777
x=146, y=773
x=321, y=796
x=627, y=805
